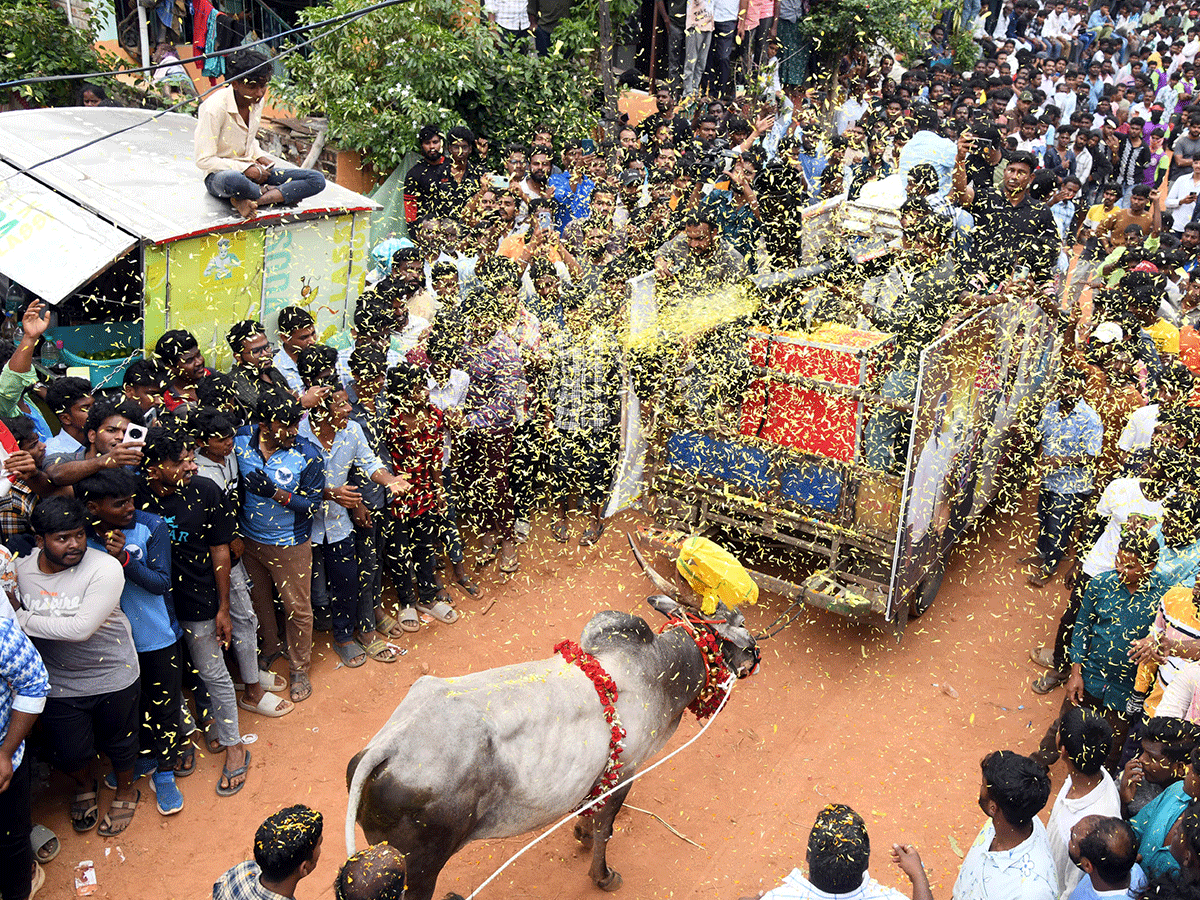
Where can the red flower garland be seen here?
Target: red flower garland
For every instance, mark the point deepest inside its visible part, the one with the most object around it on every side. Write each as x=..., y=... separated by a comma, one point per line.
x=716, y=673
x=606, y=690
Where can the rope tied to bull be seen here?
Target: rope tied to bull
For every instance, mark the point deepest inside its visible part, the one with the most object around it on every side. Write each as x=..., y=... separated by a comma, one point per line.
x=606, y=690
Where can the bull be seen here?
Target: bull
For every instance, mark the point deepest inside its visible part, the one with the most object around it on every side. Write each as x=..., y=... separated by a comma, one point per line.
x=514, y=749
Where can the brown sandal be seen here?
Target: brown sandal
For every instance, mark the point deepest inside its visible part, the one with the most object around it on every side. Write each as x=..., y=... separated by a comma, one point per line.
x=301, y=687
x=112, y=825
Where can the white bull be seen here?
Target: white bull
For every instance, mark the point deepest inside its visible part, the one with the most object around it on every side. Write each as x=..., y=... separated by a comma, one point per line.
x=509, y=750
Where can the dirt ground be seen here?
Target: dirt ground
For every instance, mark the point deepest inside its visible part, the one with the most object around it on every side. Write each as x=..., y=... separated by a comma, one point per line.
x=836, y=713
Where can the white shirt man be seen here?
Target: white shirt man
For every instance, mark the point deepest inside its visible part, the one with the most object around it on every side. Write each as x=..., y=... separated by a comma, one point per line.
x=1181, y=199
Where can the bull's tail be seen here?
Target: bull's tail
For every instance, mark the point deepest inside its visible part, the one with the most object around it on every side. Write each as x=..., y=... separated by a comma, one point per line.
x=366, y=764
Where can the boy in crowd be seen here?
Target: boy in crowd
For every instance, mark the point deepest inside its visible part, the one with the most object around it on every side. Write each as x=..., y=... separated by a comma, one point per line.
x=69, y=400
x=287, y=847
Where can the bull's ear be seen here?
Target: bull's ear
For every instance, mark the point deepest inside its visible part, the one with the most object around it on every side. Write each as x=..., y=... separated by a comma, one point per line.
x=665, y=605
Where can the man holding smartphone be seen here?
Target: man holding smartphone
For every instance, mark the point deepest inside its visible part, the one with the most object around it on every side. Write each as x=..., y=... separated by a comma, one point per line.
x=1181, y=199
x=115, y=433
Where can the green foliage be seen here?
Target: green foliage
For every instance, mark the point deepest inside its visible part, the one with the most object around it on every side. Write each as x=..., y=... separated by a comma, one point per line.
x=837, y=27
x=966, y=51
x=382, y=77
x=36, y=39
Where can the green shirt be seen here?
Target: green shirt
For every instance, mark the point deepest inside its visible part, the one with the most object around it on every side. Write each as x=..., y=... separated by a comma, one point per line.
x=1110, y=619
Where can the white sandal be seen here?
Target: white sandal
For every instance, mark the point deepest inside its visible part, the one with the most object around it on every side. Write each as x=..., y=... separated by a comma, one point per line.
x=441, y=610
x=269, y=705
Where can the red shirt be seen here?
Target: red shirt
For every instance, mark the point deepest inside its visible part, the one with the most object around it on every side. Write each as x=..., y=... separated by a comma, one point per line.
x=417, y=455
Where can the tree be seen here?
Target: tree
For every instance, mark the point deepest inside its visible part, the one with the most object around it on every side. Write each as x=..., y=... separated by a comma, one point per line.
x=383, y=76
x=36, y=39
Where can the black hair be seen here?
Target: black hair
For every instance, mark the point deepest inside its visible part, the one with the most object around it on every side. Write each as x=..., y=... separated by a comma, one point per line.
x=499, y=271
x=360, y=877
x=403, y=379
x=63, y=393
x=1141, y=544
x=119, y=482
x=406, y=254
x=249, y=65
x=367, y=361
x=463, y=133
x=445, y=340
x=1023, y=157
x=106, y=409
x=293, y=318
x=1178, y=736
x=315, y=363
x=1141, y=190
x=55, y=514
x=373, y=317
x=1018, y=785
x=143, y=373
x=286, y=840
x=90, y=88
x=838, y=850
x=173, y=344
x=1111, y=847
x=210, y=423
x=1191, y=827
x=161, y=444
x=1086, y=737
x=278, y=405
x=240, y=332
x=443, y=268
x=20, y=427
x=217, y=390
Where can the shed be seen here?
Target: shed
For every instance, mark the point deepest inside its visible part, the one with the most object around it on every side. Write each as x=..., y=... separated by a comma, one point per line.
x=132, y=209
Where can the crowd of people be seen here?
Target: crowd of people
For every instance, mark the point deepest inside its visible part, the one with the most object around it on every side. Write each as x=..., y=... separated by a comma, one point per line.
x=176, y=538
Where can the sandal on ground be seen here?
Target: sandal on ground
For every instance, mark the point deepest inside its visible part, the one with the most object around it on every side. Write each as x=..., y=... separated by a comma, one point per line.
x=1043, y=656
x=301, y=687
x=44, y=842
x=379, y=651
x=271, y=705
x=1048, y=681
x=39, y=880
x=487, y=553
x=211, y=737
x=387, y=625
x=267, y=680
x=467, y=585
x=119, y=815
x=187, y=761
x=84, y=811
x=561, y=531
x=509, y=562
x=351, y=654
x=441, y=611
x=228, y=775
x=265, y=662
x=592, y=535
x=409, y=620
x=145, y=765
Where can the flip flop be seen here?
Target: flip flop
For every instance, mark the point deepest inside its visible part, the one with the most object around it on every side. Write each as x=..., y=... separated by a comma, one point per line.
x=409, y=620
x=211, y=738
x=351, y=654
x=561, y=531
x=386, y=624
x=230, y=775
x=110, y=825
x=301, y=688
x=592, y=535
x=271, y=705
x=187, y=763
x=268, y=681
x=41, y=840
x=467, y=585
x=441, y=611
x=510, y=564
x=84, y=811
x=379, y=651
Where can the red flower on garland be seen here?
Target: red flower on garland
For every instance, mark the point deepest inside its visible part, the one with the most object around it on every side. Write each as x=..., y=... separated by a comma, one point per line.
x=606, y=690
x=716, y=673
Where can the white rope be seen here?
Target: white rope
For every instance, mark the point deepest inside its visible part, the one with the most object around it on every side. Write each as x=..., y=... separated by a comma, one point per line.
x=728, y=686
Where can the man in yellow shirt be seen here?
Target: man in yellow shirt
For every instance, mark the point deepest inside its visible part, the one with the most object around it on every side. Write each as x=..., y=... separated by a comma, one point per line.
x=226, y=142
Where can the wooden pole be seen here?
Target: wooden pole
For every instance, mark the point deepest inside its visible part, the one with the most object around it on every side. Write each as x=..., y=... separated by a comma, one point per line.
x=604, y=27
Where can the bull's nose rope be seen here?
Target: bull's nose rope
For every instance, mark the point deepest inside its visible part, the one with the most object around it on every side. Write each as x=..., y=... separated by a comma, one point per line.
x=606, y=690
x=728, y=690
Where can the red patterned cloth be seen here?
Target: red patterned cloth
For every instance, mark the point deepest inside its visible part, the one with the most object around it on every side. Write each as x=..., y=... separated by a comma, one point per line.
x=417, y=455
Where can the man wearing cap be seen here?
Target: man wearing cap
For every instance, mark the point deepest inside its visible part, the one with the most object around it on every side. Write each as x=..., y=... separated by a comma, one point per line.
x=1181, y=199
x=424, y=181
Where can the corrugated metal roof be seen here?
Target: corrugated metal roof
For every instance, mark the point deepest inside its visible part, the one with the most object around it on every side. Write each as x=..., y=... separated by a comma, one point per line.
x=49, y=244
x=143, y=181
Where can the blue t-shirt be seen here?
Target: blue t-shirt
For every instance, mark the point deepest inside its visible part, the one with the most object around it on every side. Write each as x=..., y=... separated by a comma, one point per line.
x=299, y=470
x=1085, y=891
x=1151, y=825
x=1077, y=434
x=147, y=566
x=570, y=204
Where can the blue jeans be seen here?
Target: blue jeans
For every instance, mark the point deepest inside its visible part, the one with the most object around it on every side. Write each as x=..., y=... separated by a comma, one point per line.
x=1057, y=515
x=368, y=549
x=971, y=10
x=294, y=184
x=341, y=582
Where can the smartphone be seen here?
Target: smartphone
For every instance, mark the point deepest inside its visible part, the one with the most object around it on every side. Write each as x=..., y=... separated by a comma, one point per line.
x=500, y=182
x=134, y=433
x=545, y=219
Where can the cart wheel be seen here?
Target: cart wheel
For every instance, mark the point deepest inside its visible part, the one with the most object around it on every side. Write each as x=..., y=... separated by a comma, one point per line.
x=926, y=593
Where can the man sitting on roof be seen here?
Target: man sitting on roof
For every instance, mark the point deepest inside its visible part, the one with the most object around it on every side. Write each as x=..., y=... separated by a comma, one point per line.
x=227, y=151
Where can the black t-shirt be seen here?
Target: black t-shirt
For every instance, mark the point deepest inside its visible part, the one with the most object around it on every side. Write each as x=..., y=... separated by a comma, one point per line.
x=1007, y=237
x=424, y=186
x=198, y=517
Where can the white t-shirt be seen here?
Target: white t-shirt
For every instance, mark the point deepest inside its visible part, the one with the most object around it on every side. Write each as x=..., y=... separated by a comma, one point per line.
x=1139, y=429
x=1026, y=872
x=1121, y=499
x=1102, y=800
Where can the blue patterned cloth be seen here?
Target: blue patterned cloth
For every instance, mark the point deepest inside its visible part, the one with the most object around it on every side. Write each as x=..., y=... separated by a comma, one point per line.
x=1078, y=434
x=24, y=682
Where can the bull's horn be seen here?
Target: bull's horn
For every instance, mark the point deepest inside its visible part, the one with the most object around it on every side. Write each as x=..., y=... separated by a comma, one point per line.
x=666, y=585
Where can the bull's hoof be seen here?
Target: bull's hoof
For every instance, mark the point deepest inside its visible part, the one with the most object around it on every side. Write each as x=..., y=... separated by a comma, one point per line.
x=610, y=882
x=583, y=833
x=453, y=896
